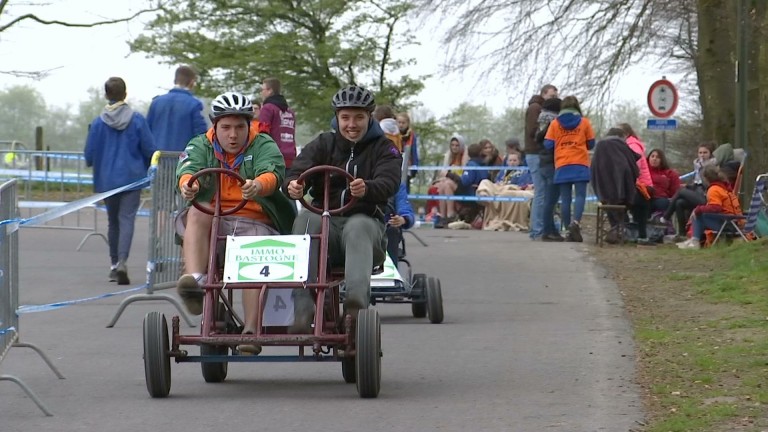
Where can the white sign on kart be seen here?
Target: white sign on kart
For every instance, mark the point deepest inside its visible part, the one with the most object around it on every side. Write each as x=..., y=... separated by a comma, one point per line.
x=388, y=277
x=266, y=259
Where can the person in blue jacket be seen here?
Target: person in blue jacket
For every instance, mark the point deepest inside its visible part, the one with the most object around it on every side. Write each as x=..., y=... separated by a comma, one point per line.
x=399, y=216
x=119, y=147
x=177, y=116
x=513, y=176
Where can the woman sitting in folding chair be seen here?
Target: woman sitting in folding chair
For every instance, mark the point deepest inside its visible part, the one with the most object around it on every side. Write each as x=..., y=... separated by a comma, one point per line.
x=721, y=201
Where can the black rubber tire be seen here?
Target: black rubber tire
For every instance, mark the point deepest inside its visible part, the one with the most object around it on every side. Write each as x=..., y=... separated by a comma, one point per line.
x=418, y=292
x=216, y=372
x=157, y=361
x=434, y=300
x=348, y=370
x=368, y=353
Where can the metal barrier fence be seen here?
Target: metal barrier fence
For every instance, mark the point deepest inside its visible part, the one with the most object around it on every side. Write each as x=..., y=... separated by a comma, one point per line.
x=164, y=265
x=49, y=180
x=9, y=293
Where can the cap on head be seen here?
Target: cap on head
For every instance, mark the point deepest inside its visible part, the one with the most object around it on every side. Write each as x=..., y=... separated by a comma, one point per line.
x=353, y=97
x=231, y=103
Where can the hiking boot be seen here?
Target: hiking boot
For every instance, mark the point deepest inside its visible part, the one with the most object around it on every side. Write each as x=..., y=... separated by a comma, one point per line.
x=552, y=237
x=191, y=294
x=113, y=274
x=121, y=272
x=574, y=232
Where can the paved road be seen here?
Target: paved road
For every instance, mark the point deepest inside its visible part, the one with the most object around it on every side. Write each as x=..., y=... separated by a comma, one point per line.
x=535, y=339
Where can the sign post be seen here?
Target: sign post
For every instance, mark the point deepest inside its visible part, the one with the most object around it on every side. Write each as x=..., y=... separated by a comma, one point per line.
x=662, y=101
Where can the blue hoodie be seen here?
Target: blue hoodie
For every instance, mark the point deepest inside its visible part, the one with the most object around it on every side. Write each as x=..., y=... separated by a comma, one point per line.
x=402, y=207
x=175, y=118
x=470, y=179
x=119, y=147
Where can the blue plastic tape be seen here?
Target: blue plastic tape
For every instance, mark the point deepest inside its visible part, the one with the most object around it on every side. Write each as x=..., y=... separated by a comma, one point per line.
x=24, y=309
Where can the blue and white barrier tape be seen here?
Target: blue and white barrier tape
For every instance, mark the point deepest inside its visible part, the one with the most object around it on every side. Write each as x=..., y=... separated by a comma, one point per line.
x=466, y=168
x=467, y=198
x=8, y=330
x=476, y=198
x=15, y=224
x=24, y=309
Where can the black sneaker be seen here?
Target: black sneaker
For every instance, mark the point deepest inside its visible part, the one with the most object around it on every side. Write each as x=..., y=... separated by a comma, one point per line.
x=574, y=232
x=645, y=242
x=122, y=274
x=552, y=237
x=113, y=275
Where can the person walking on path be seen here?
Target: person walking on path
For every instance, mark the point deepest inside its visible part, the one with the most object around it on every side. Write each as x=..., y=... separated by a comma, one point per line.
x=119, y=147
x=177, y=116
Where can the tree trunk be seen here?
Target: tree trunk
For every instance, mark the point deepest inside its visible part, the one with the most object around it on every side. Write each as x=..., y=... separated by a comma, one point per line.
x=714, y=68
x=757, y=102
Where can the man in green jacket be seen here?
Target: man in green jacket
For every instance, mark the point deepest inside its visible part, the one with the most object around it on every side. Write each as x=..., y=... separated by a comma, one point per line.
x=232, y=144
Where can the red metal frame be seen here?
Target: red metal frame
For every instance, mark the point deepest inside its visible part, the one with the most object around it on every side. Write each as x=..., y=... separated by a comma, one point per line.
x=325, y=329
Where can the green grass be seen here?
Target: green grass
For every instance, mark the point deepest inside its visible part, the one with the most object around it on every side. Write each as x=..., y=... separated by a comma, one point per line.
x=704, y=353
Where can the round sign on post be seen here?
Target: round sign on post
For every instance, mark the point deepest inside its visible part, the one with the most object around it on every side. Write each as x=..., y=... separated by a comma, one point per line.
x=662, y=98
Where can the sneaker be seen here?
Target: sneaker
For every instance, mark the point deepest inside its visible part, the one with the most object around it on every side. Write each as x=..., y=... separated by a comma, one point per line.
x=645, y=242
x=574, y=230
x=113, y=274
x=249, y=349
x=691, y=243
x=121, y=272
x=191, y=294
x=552, y=237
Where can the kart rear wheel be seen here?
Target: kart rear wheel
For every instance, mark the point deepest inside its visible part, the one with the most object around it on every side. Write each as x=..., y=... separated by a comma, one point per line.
x=418, y=296
x=368, y=353
x=434, y=300
x=216, y=372
x=348, y=370
x=157, y=361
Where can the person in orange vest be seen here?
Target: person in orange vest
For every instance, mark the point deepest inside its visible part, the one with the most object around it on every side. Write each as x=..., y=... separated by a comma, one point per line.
x=571, y=136
x=720, y=200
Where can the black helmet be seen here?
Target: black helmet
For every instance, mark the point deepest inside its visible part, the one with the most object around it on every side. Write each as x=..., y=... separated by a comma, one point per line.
x=231, y=103
x=353, y=97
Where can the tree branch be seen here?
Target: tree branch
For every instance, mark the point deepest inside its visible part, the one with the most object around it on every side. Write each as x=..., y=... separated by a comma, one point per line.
x=37, y=19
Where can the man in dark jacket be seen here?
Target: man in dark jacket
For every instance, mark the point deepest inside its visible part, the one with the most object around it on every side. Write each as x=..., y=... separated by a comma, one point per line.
x=278, y=120
x=119, y=147
x=357, y=236
x=532, y=149
x=177, y=116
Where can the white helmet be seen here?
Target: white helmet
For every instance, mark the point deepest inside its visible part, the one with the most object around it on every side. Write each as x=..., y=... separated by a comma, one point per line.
x=231, y=103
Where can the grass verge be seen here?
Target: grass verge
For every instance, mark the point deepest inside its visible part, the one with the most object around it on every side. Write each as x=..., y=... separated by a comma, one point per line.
x=701, y=327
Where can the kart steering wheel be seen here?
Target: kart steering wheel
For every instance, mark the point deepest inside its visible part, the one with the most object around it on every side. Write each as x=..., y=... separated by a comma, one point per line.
x=327, y=170
x=217, y=202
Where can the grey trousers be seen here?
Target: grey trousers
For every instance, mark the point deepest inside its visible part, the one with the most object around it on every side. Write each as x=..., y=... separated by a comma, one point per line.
x=357, y=241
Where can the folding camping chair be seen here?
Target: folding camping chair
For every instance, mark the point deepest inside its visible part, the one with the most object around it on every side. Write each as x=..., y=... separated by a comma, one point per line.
x=730, y=226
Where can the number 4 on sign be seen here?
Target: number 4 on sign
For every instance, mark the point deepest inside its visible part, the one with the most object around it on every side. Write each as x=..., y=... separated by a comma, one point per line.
x=265, y=271
x=279, y=303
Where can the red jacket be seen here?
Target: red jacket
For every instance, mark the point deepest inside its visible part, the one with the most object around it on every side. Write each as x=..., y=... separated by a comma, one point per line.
x=665, y=182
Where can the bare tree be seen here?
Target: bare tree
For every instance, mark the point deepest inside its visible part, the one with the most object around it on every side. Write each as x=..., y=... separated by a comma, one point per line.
x=13, y=21
x=583, y=44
